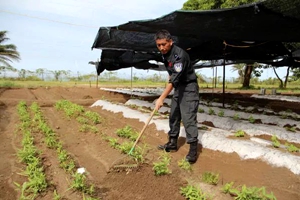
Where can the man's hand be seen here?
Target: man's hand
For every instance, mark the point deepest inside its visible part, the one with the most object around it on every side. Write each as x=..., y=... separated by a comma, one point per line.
x=158, y=104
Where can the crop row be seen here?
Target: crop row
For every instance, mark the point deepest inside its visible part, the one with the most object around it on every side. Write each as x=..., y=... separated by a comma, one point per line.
x=161, y=167
x=39, y=125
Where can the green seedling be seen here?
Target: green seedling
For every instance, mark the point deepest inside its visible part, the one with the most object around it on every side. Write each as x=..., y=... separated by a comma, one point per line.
x=191, y=192
x=275, y=141
x=291, y=148
x=236, y=116
x=239, y=133
x=183, y=164
x=291, y=129
x=127, y=132
x=93, y=116
x=125, y=147
x=113, y=142
x=221, y=113
x=84, y=128
x=235, y=105
x=253, y=193
x=228, y=188
x=63, y=156
x=51, y=142
x=94, y=129
x=251, y=119
x=79, y=182
x=211, y=111
x=200, y=110
x=56, y=196
x=161, y=167
x=82, y=120
x=210, y=178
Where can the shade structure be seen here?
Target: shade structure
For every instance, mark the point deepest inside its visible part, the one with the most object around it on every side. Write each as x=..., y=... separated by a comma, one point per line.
x=249, y=33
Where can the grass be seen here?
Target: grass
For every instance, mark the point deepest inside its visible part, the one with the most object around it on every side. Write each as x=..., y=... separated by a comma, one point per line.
x=140, y=83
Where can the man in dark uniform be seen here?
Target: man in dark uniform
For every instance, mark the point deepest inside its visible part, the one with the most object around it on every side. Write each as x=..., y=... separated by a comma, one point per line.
x=185, y=99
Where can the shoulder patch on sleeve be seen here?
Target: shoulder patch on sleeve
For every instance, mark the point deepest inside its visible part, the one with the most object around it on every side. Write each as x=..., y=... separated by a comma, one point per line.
x=178, y=67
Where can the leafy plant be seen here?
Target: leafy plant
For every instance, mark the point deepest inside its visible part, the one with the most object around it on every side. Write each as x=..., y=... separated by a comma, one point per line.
x=191, y=192
x=236, y=116
x=221, y=113
x=127, y=132
x=275, y=141
x=251, y=119
x=227, y=188
x=210, y=178
x=200, y=110
x=239, y=133
x=292, y=128
x=113, y=142
x=95, y=117
x=183, y=164
x=253, y=193
x=291, y=147
x=82, y=120
x=161, y=167
x=56, y=196
x=211, y=111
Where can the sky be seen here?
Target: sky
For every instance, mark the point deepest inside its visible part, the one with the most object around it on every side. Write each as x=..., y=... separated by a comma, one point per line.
x=58, y=35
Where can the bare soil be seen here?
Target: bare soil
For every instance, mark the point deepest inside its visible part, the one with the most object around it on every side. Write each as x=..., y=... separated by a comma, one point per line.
x=93, y=153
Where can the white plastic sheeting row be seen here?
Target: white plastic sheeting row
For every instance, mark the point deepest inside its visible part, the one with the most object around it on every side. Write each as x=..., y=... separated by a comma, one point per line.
x=216, y=139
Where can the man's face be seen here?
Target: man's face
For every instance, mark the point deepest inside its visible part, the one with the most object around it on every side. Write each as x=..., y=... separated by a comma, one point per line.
x=164, y=45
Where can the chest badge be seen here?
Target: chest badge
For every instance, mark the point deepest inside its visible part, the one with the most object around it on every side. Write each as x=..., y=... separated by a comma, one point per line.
x=178, y=67
x=170, y=64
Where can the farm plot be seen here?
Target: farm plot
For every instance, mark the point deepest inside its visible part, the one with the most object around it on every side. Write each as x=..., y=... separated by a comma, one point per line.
x=91, y=139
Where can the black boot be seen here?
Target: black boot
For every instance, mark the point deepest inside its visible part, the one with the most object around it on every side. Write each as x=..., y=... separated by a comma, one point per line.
x=192, y=155
x=171, y=145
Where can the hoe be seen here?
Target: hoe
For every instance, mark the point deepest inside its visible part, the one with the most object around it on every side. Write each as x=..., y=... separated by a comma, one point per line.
x=126, y=164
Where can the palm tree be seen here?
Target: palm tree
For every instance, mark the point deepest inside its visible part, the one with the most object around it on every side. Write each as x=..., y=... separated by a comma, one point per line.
x=240, y=68
x=8, y=52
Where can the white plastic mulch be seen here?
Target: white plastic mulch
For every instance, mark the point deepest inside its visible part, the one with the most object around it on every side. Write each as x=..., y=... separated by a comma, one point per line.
x=216, y=138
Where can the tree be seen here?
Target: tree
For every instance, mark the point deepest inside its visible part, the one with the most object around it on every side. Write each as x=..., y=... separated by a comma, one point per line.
x=296, y=74
x=214, y=4
x=240, y=68
x=8, y=52
x=40, y=72
x=58, y=73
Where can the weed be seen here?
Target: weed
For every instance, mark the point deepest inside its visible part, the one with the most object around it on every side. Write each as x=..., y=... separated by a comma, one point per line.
x=239, y=133
x=183, y=164
x=210, y=178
